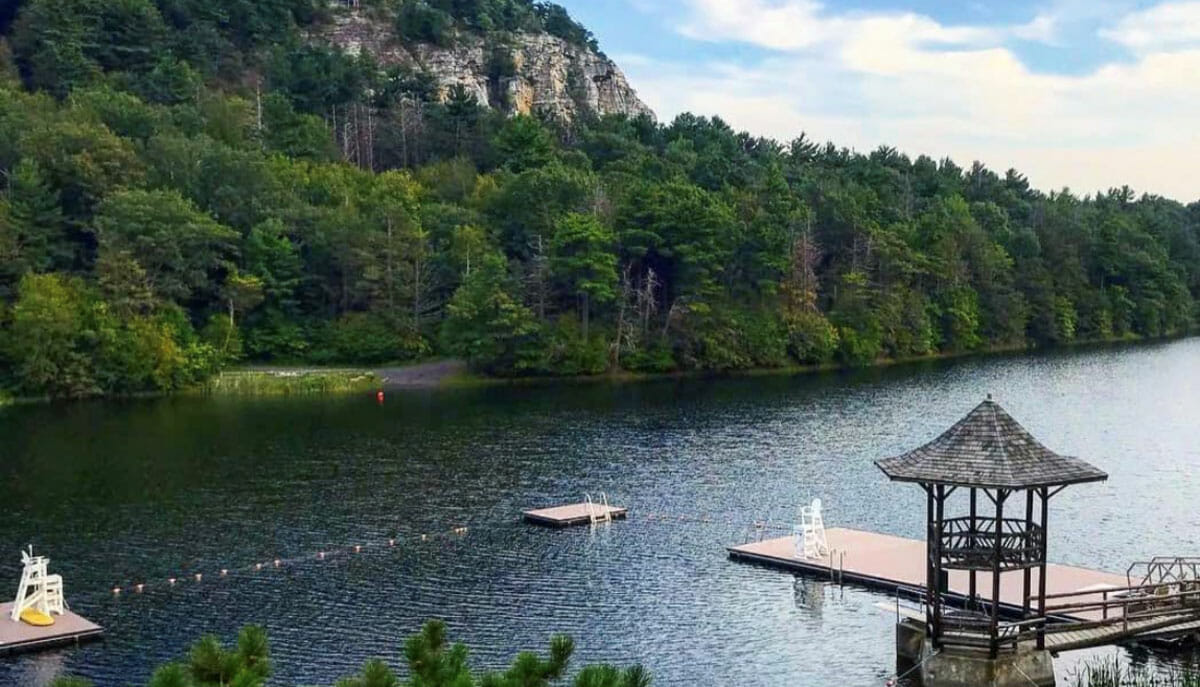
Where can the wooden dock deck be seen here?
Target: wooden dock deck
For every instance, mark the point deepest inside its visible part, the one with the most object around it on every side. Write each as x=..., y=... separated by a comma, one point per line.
x=68, y=628
x=893, y=563
x=572, y=514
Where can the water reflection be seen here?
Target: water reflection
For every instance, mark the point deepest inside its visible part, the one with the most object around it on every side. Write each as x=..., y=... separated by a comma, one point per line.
x=147, y=489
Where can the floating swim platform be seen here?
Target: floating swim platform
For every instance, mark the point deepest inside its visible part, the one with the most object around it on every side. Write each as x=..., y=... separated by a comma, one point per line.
x=68, y=628
x=574, y=514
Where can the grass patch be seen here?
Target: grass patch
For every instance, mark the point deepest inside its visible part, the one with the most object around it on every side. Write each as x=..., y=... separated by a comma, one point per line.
x=289, y=383
x=1111, y=672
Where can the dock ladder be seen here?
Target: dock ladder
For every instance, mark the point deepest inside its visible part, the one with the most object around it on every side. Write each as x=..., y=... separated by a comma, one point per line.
x=598, y=511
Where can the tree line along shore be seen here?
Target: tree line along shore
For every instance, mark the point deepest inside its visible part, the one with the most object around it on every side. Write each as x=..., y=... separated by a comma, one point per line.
x=190, y=186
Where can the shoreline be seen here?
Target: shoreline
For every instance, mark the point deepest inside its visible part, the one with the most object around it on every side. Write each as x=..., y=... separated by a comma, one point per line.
x=470, y=379
x=443, y=373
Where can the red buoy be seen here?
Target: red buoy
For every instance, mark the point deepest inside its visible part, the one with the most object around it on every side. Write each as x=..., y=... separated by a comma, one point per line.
x=379, y=396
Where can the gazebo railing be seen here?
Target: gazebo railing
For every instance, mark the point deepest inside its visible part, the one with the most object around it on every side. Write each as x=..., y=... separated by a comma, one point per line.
x=970, y=543
x=966, y=629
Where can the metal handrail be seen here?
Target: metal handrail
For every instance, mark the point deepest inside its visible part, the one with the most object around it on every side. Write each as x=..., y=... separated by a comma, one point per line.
x=1160, y=567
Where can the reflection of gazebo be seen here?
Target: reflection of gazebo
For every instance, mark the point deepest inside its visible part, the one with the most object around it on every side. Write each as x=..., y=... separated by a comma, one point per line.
x=988, y=452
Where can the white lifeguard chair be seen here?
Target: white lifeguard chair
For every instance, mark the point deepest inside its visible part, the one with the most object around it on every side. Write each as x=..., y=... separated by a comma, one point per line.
x=39, y=593
x=810, y=533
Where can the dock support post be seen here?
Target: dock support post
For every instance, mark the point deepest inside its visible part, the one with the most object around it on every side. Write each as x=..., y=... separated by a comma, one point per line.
x=1028, y=571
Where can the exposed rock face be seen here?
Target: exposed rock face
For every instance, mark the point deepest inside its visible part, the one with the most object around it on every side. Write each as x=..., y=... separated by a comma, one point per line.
x=550, y=75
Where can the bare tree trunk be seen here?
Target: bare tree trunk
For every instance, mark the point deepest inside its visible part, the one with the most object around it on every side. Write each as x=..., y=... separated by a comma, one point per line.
x=418, y=286
x=622, y=307
x=403, y=133
x=258, y=108
x=390, y=267
x=667, y=321
x=539, y=276
x=586, y=306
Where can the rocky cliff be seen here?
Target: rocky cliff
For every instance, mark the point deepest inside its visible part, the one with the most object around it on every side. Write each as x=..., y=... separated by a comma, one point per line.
x=542, y=73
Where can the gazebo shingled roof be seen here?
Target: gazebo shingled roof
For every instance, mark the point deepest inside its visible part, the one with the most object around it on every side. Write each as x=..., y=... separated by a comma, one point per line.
x=988, y=449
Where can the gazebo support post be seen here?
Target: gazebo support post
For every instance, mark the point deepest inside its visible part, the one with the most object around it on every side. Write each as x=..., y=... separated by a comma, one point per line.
x=930, y=554
x=936, y=581
x=1041, y=634
x=971, y=593
x=1028, y=572
x=994, y=649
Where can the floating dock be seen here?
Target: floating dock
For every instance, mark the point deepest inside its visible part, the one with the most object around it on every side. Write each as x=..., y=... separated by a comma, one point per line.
x=68, y=628
x=896, y=564
x=575, y=514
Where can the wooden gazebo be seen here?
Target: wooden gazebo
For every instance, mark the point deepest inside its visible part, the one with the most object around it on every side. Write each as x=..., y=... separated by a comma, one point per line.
x=986, y=452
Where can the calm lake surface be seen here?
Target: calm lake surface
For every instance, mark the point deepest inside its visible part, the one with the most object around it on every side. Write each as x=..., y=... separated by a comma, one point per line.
x=117, y=493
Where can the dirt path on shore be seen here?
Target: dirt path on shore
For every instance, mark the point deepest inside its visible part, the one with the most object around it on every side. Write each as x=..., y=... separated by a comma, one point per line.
x=423, y=376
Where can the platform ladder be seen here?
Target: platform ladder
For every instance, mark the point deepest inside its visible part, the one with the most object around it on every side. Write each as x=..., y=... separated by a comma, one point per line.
x=598, y=511
x=810, y=533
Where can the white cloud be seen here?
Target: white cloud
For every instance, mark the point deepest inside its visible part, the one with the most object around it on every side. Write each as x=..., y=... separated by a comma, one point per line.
x=906, y=80
x=1169, y=25
x=791, y=25
x=1042, y=28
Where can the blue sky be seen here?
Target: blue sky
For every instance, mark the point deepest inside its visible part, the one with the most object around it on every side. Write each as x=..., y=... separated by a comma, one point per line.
x=1075, y=93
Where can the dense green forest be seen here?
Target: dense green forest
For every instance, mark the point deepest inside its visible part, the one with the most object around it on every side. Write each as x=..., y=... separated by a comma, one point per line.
x=431, y=659
x=187, y=184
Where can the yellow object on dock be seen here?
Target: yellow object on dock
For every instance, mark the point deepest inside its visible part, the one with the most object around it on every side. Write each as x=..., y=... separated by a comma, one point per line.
x=33, y=616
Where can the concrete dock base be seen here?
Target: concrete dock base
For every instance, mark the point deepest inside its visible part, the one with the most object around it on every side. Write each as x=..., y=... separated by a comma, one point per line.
x=965, y=668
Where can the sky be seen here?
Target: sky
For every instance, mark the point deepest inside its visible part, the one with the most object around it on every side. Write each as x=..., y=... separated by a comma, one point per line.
x=1080, y=94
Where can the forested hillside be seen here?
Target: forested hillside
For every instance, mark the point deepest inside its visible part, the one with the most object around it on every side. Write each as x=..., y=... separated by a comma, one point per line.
x=192, y=183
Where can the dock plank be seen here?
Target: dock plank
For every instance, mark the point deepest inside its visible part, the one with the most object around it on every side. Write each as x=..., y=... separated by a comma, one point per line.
x=1111, y=634
x=68, y=628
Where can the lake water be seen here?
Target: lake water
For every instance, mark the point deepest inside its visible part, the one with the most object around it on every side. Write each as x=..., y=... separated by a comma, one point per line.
x=117, y=493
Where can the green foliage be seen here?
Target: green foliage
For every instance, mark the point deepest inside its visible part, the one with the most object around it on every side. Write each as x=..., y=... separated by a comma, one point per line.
x=486, y=325
x=610, y=676
x=63, y=341
x=375, y=673
x=366, y=338
x=34, y=216
x=64, y=44
x=582, y=258
x=180, y=248
x=859, y=333
x=433, y=21
x=51, y=337
x=171, y=166
x=524, y=143
x=568, y=350
x=811, y=338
